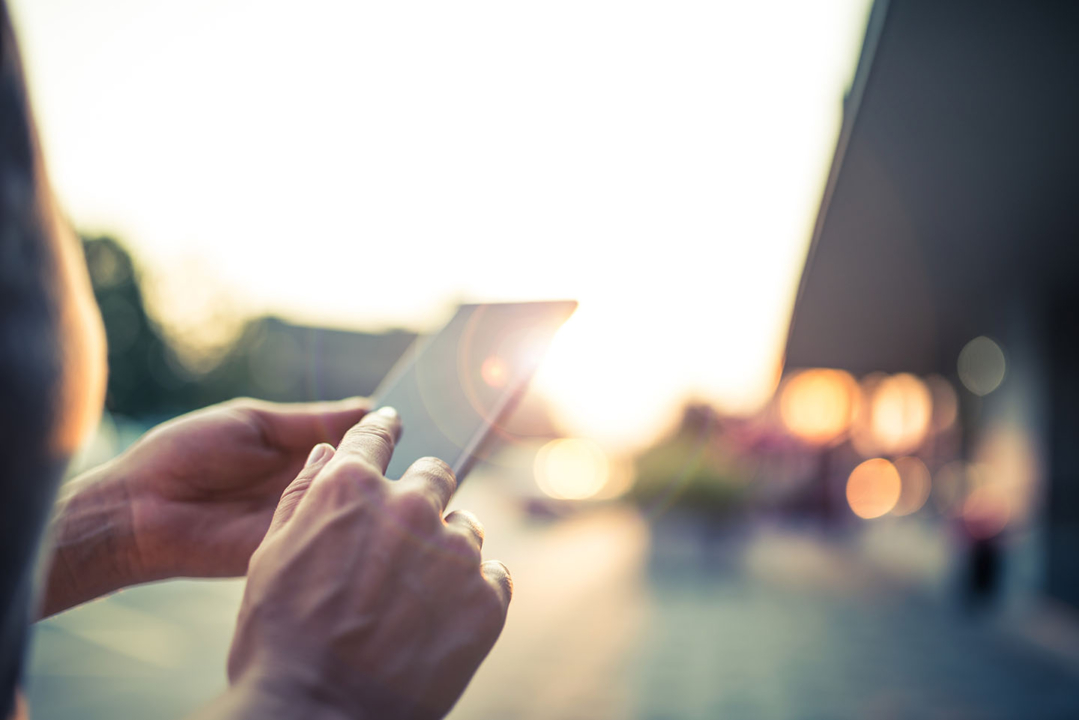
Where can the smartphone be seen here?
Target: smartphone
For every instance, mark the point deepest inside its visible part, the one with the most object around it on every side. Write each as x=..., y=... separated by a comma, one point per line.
x=453, y=388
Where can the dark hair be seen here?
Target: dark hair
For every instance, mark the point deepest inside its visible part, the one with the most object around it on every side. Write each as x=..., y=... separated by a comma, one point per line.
x=30, y=357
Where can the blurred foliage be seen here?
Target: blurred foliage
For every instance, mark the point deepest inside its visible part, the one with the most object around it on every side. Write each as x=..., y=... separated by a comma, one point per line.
x=693, y=469
x=270, y=359
x=144, y=377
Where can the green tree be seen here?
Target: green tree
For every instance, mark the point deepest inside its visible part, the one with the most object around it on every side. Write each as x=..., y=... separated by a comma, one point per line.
x=144, y=380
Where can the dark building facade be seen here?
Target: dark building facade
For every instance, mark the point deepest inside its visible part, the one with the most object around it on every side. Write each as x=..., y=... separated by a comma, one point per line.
x=952, y=212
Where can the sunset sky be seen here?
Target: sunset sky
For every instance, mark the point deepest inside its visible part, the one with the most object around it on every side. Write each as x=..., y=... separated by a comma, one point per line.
x=367, y=165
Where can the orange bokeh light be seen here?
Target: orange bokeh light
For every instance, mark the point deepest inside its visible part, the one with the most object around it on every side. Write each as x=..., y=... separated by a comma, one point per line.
x=900, y=410
x=816, y=405
x=915, y=485
x=945, y=402
x=873, y=488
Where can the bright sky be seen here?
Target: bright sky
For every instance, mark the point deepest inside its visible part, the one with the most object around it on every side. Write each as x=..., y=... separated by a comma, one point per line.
x=369, y=164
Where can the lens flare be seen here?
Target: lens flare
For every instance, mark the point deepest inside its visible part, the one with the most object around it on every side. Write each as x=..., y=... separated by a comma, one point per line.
x=571, y=468
x=873, y=488
x=494, y=371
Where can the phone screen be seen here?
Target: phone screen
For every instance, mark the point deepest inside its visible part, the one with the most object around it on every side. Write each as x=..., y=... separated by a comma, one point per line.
x=452, y=388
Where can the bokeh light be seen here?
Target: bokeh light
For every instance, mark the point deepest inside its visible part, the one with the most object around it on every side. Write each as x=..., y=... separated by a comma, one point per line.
x=900, y=411
x=952, y=483
x=571, y=468
x=816, y=405
x=1013, y=464
x=945, y=402
x=986, y=511
x=861, y=429
x=915, y=485
x=873, y=488
x=981, y=366
x=621, y=474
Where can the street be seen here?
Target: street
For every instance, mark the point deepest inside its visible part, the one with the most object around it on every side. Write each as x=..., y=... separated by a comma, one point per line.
x=614, y=617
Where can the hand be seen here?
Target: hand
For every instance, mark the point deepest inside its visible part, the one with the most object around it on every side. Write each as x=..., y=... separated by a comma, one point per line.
x=193, y=497
x=362, y=601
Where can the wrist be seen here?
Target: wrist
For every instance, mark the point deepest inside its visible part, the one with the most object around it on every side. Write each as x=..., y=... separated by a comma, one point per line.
x=263, y=694
x=93, y=546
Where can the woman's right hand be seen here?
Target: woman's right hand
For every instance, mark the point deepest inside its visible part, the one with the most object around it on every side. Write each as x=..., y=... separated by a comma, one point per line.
x=362, y=601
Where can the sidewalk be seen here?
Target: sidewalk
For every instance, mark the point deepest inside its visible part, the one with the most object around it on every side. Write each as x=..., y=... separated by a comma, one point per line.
x=771, y=624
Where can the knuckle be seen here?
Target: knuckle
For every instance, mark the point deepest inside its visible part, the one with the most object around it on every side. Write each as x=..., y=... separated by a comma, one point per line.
x=249, y=410
x=436, y=472
x=241, y=403
x=490, y=604
x=414, y=509
x=461, y=548
x=295, y=490
x=353, y=472
x=470, y=521
x=252, y=413
x=435, y=466
x=498, y=578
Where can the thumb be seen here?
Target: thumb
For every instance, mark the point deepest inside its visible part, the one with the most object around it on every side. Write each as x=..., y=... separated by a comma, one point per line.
x=293, y=494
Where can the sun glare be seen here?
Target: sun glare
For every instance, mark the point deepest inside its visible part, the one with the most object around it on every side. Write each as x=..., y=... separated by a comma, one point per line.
x=664, y=167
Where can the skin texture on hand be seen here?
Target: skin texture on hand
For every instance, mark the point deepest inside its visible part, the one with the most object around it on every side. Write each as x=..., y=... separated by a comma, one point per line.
x=363, y=601
x=192, y=498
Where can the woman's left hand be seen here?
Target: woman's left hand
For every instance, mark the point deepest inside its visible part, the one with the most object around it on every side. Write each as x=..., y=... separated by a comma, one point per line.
x=192, y=498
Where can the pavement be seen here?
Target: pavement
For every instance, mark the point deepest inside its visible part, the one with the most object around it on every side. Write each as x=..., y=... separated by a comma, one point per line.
x=616, y=616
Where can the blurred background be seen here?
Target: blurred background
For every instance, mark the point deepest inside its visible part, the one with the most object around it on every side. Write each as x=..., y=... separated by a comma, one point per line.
x=806, y=450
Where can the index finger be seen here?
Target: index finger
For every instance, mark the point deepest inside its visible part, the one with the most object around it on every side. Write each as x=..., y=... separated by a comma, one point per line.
x=372, y=438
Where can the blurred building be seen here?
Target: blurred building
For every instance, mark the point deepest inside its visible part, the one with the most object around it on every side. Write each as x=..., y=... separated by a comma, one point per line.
x=952, y=213
x=271, y=358
x=281, y=361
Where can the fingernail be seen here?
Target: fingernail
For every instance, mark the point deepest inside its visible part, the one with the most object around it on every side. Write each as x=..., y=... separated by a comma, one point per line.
x=318, y=453
x=388, y=411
